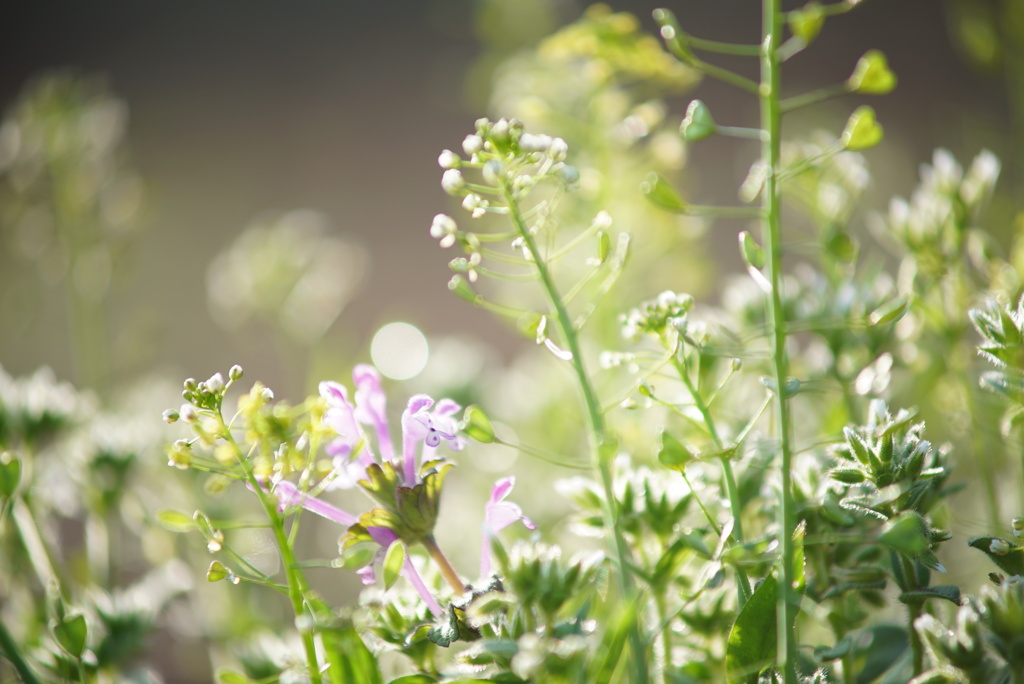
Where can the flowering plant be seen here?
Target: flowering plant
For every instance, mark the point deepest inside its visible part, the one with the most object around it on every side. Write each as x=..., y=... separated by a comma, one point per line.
x=754, y=496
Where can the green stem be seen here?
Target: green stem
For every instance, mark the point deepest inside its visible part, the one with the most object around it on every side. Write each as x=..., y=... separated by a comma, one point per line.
x=595, y=425
x=914, y=611
x=293, y=575
x=738, y=49
x=10, y=649
x=454, y=581
x=771, y=121
x=813, y=97
x=730, y=481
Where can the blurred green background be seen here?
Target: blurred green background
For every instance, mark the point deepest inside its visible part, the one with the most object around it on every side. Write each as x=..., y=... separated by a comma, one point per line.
x=240, y=110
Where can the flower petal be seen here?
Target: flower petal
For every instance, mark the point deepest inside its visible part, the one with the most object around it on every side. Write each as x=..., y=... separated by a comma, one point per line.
x=371, y=406
x=290, y=495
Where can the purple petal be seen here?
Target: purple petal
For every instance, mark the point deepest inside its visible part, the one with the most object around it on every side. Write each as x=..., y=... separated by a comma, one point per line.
x=409, y=571
x=485, y=557
x=502, y=488
x=371, y=406
x=368, y=573
x=384, y=536
x=419, y=402
x=348, y=473
x=501, y=515
x=290, y=495
x=335, y=393
x=446, y=407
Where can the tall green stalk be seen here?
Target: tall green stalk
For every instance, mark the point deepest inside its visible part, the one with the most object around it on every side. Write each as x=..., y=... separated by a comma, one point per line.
x=771, y=123
x=596, y=431
x=293, y=575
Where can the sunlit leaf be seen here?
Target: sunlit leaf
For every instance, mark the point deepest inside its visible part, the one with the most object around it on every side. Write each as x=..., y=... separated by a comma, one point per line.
x=394, y=559
x=752, y=639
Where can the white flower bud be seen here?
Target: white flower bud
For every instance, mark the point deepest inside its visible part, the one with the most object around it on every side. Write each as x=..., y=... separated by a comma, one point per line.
x=999, y=547
x=534, y=143
x=215, y=384
x=449, y=160
x=558, y=149
x=452, y=182
x=472, y=144
x=475, y=204
x=235, y=373
x=442, y=226
x=267, y=394
x=187, y=413
x=493, y=171
x=570, y=175
x=170, y=416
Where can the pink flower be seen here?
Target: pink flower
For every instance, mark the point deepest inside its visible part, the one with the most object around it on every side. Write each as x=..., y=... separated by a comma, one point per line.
x=499, y=514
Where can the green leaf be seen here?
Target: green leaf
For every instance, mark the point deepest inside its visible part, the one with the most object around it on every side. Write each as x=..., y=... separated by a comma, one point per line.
x=799, y=560
x=878, y=649
x=10, y=474
x=824, y=655
x=175, y=521
x=71, y=633
x=422, y=679
x=872, y=75
x=862, y=131
x=673, y=453
x=698, y=124
x=226, y=676
x=806, y=22
x=394, y=559
x=891, y=311
x=752, y=639
x=1011, y=562
x=660, y=192
x=348, y=658
x=612, y=647
x=753, y=254
x=907, y=533
x=949, y=592
x=477, y=425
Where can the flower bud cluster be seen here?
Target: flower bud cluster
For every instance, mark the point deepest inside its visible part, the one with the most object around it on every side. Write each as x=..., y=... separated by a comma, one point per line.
x=498, y=167
x=658, y=316
x=932, y=224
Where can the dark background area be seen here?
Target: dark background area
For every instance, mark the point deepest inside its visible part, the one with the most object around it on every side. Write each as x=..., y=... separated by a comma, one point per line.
x=242, y=107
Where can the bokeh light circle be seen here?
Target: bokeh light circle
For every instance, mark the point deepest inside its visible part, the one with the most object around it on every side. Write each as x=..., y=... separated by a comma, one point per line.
x=399, y=350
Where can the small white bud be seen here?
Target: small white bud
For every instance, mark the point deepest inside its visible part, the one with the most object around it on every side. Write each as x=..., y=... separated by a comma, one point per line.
x=452, y=182
x=558, y=149
x=999, y=547
x=267, y=394
x=570, y=175
x=472, y=144
x=529, y=142
x=215, y=384
x=170, y=416
x=493, y=171
x=449, y=160
x=442, y=227
x=235, y=373
x=187, y=413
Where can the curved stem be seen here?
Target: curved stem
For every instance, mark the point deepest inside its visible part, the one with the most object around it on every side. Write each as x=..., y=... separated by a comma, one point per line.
x=601, y=456
x=293, y=575
x=771, y=121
